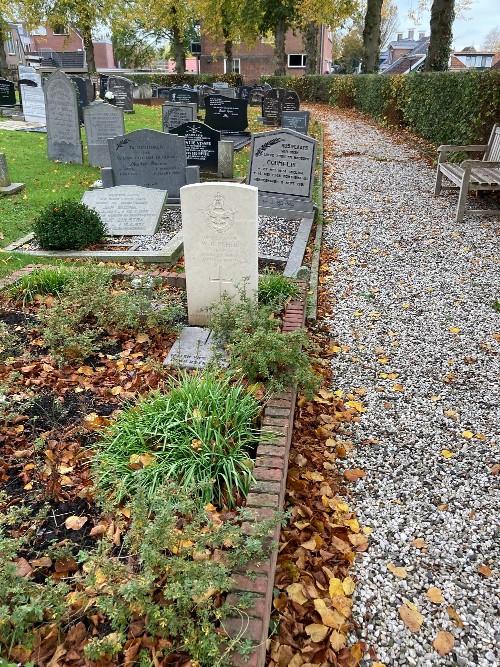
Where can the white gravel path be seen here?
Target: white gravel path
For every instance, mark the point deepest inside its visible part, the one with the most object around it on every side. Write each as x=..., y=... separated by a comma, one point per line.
x=413, y=299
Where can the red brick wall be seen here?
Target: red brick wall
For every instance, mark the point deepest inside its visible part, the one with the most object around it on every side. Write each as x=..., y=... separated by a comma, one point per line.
x=71, y=42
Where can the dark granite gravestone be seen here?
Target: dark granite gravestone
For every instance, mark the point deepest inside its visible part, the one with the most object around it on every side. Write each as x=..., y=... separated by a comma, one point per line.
x=184, y=95
x=122, y=89
x=103, y=85
x=202, y=145
x=33, y=102
x=266, y=86
x=290, y=101
x=296, y=120
x=163, y=92
x=154, y=89
x=256, y=97
x=7, y=93
x=271, y=106
x=225, y=114
x=127, y=210
x=83, y=100
x=203, y=92
x=102, y=122
x=63, y=128
x=243, y=92
x=177, y=113
x=90, y=89
x=149, y=158
x=282, y=166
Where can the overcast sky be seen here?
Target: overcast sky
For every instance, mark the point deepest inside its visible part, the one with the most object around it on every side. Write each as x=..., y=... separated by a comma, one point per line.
x=479, y=20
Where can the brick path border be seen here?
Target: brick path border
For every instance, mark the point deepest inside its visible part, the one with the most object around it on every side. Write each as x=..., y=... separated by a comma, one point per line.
x=266, y=495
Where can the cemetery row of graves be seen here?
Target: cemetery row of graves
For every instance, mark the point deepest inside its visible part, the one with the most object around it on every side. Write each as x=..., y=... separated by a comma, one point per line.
x=140, y=448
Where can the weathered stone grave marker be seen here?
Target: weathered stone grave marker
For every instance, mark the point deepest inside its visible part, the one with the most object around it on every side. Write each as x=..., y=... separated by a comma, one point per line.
x=102, y=122
x=128, y=210
x=122, y=89
x=282, y=166
x=149, y=158
x=33, y=101
x=63, y=128
x=219, y=222
x=6, y=185
x=296, y=120
x=177, y=113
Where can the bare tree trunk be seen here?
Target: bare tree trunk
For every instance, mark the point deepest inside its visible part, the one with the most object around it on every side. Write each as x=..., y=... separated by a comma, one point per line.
x=228, y=49
x=4, y=70
x=178, y=48
x=371, y=36
x=310, y=35
x=86, y=33
x=279, y=47
x=442, y=17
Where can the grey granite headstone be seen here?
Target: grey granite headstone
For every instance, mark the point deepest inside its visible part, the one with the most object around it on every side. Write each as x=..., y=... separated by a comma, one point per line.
x=33, y=104
x=149, y=158
x=128, y=210
x=122, y=89
x=296, y=120
x=193, y=349
x=6, y=186
x=102, y=122
x=177, y=113
x=63, y=127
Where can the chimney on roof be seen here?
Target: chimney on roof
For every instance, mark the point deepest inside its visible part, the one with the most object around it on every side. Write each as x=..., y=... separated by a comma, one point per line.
x=400, y=36
x=421, y=35
x=410, y=34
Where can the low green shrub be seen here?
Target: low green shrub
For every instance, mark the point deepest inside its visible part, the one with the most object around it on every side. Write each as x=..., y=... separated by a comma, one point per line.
x=200, y=433
x=68, y=225
x=42, y=281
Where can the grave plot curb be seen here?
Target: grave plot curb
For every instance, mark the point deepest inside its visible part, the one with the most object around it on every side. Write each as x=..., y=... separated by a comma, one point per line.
x=266, y=495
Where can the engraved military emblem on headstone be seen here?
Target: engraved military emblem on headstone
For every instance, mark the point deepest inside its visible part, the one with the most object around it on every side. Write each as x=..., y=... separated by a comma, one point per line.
x=218, y=214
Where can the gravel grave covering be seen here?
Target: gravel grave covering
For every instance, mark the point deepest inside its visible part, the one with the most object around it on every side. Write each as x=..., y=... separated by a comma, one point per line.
x=413, y=296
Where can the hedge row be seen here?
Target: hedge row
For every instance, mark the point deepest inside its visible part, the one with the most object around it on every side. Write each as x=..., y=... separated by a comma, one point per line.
x=442, y=107
x=179, y=79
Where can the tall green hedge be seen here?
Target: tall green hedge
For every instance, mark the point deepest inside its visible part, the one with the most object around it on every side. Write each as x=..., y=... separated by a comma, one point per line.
x=179, y=79
x=442, y=107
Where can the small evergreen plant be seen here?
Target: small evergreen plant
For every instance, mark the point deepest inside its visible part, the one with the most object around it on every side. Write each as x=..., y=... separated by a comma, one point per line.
x=68, y=225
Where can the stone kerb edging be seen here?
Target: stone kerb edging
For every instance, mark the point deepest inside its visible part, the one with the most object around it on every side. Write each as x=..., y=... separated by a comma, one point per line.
x=266, y=495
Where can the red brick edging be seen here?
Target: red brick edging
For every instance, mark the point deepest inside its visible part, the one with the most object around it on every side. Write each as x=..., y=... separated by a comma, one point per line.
x=266, y=494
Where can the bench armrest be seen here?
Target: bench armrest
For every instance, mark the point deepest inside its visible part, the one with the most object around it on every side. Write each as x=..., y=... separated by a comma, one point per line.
x=480, y=163
x=468, y=149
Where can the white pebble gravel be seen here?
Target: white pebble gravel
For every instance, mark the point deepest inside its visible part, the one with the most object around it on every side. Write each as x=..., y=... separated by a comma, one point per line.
x=413, y=296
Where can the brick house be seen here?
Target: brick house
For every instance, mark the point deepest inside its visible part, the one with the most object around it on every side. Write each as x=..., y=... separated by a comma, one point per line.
x=469, y=58
x=404, y=54
x=253, y=60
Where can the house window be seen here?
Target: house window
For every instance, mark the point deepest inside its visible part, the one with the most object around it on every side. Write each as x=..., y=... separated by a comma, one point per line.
x=296, y=60
x=60, y=29
x=235, y=66
x=10, y=47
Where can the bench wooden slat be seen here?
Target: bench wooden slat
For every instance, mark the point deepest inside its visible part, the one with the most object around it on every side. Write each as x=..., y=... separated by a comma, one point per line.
x=481, y=176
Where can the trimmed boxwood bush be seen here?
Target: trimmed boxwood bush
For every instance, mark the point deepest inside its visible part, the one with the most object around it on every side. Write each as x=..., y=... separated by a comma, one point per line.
x=68, y=225
x=179, y=79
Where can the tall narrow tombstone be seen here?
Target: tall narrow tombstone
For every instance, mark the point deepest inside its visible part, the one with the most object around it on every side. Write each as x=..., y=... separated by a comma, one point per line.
x=271, y=106
x=202, y=145
x=64, y=142
x=122, y=89
x=290, y=101
x=7, y=93
x=282, y=164
x=295, y=120
x=177, y=113
x=149, y=158
x=102, y=122
x=219, y=222
x=154, y=90
x=33, y=101
x=83, y=100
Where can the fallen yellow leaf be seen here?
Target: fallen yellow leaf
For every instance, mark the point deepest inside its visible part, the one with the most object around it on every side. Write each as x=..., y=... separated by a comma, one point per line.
x=399, y=572
x=484, y=570
x=447, y=454
x=75, y=522
x=454, y=329
x=329, y=617
x=453, y=615
x=467, y=434
x=335, y=587
x=443, y=642
x=412, y=618
x=348, y=585
x=435, y=595
x=337, y=640
x=316, y=632
x=296, y=593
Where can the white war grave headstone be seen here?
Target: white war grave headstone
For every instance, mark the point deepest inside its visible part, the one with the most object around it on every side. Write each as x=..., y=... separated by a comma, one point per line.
x=64, y=141
x=220, y=223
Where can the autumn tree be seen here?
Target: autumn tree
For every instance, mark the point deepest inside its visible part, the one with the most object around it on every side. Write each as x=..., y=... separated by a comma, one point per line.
x=442, y=17
x=492, y=40
x=371, y=36
x=224, y=21
x=14, y=11
x=132, y=46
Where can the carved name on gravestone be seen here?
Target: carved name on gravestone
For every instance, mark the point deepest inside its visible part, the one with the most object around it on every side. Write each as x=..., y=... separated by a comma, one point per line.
x=219, y=222
x=149, y=158
x=290, y=101
x=122, y=89
x=63, y=127
x=183, y=95
x=296, y=120
x=225, y=114
x=282, y=167
x=7, y=93
x=33, y=101
x=256, y=97
x=177, y=113
x=271, y=106
x=202, y=145
x=102, y=122
x=128, y=210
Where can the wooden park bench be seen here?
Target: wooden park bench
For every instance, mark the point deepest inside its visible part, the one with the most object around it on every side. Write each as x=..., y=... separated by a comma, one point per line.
x=471, y=174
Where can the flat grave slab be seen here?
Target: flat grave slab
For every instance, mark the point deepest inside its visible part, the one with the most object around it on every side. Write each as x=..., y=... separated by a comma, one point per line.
x=128, y=210
x=193, y=349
